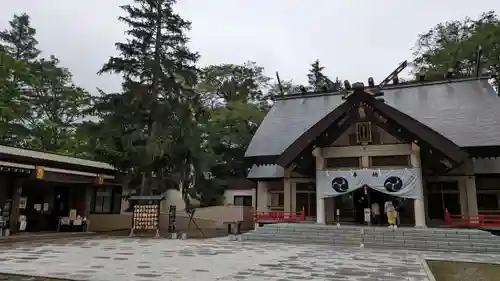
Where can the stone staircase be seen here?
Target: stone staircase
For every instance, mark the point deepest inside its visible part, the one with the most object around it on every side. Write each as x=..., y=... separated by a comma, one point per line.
x=407, y=238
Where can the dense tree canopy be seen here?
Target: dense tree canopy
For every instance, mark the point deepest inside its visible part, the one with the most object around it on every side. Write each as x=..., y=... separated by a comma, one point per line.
x=41, y=107
x=455, y=45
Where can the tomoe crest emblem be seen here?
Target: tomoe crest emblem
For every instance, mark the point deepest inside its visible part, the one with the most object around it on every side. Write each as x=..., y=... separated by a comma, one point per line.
x=340, y=184
x=393, y=184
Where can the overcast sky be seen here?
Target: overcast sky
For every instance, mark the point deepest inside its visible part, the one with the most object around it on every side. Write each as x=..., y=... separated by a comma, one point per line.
x=354, y=39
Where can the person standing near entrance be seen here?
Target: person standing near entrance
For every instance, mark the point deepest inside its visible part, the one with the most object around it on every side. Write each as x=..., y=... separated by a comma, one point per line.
x=390, y=211
x=399, y=209
x=376, y=213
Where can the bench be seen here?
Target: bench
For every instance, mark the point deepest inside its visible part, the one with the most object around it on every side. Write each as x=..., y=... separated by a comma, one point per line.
x=233, y=227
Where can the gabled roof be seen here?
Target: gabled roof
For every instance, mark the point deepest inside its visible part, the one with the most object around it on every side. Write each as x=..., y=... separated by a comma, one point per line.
x=465, y=111
x=338, y=120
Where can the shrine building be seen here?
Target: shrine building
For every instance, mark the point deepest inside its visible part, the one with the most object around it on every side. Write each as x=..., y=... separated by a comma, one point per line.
x=430, y=146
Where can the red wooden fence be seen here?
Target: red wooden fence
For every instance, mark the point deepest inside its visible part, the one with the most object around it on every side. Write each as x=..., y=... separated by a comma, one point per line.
x=261, y=216
x=474, y=220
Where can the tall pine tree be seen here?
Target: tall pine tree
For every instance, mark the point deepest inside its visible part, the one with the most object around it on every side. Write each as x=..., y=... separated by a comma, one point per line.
x=319, y=82
x=19, y=40
x=316, y=78
x=18, y=48
x=157, y=113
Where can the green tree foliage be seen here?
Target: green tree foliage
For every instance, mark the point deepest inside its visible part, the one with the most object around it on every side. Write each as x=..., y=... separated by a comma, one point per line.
x=454, y=45
x=230, y=82
x=237, y=97
x=42, y=105
x=12, y=108
x=58, y=107
x=231, y=129
x=287, y=87
x=18, y=48
x=319, y=82
x=316, y=78
x=19, y=40
x=158, y=114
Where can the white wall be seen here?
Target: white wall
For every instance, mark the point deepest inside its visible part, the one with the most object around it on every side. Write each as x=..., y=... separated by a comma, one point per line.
x=173, y=197
x=230, y=193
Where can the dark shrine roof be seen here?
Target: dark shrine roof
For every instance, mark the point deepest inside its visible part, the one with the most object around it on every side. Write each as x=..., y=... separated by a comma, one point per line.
x=466, y=111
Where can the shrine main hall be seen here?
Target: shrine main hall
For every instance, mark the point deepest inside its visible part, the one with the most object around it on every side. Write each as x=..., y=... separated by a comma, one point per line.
x=430, y=146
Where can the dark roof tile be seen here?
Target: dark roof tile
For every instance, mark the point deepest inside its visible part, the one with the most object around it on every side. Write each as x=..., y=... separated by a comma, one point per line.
x=465, y=111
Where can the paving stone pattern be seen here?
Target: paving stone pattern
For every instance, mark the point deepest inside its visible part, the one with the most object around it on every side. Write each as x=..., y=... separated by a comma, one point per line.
x=216, y=259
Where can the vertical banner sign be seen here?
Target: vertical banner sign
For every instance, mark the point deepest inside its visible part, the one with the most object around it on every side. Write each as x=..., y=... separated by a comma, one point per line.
x=39, y=172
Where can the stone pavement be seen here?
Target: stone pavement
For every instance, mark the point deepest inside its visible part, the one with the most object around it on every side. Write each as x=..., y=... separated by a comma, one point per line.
x=216, y=259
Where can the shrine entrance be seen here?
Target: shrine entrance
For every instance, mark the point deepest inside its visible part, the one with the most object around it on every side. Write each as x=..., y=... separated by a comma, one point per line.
x=351, y=207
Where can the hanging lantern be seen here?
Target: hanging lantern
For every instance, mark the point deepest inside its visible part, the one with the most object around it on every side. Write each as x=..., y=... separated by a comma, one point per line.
x=39, y=173
x=100, y=179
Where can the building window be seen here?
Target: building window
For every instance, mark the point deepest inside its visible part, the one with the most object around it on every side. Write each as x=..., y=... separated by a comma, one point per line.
x=390, y=161
x=106, y=200
x=277, y=201
x=343, y=162
x=305, y=186
x=487, y=202
x=242, y=200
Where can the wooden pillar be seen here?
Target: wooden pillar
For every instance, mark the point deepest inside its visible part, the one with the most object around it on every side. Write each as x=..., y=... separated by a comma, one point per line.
x=470, y=188
x=418, y=204
x=320, y=202
x=262, y=196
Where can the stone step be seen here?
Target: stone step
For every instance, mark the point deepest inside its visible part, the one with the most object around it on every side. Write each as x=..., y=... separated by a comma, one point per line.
x=460, y=247
x=383, y=230
x=387, y=236
x=432, y=243
x=395, y=233
x=315, y=228
x=438, y=240
x=449, y=240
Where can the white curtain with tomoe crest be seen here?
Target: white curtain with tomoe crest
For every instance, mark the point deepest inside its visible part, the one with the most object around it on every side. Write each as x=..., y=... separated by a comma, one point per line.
x=403, y=182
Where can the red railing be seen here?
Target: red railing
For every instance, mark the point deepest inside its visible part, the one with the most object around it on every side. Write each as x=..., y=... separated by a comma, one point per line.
x=279, y=216
x=477, y=220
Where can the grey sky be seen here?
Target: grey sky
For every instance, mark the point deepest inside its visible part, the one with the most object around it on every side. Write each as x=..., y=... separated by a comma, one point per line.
x=354, y=39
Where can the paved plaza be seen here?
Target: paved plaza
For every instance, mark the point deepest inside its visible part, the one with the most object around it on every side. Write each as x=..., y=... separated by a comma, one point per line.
x=102, y=259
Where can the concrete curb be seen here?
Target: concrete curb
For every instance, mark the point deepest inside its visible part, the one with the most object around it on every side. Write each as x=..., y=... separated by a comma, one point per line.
x=427, y=269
